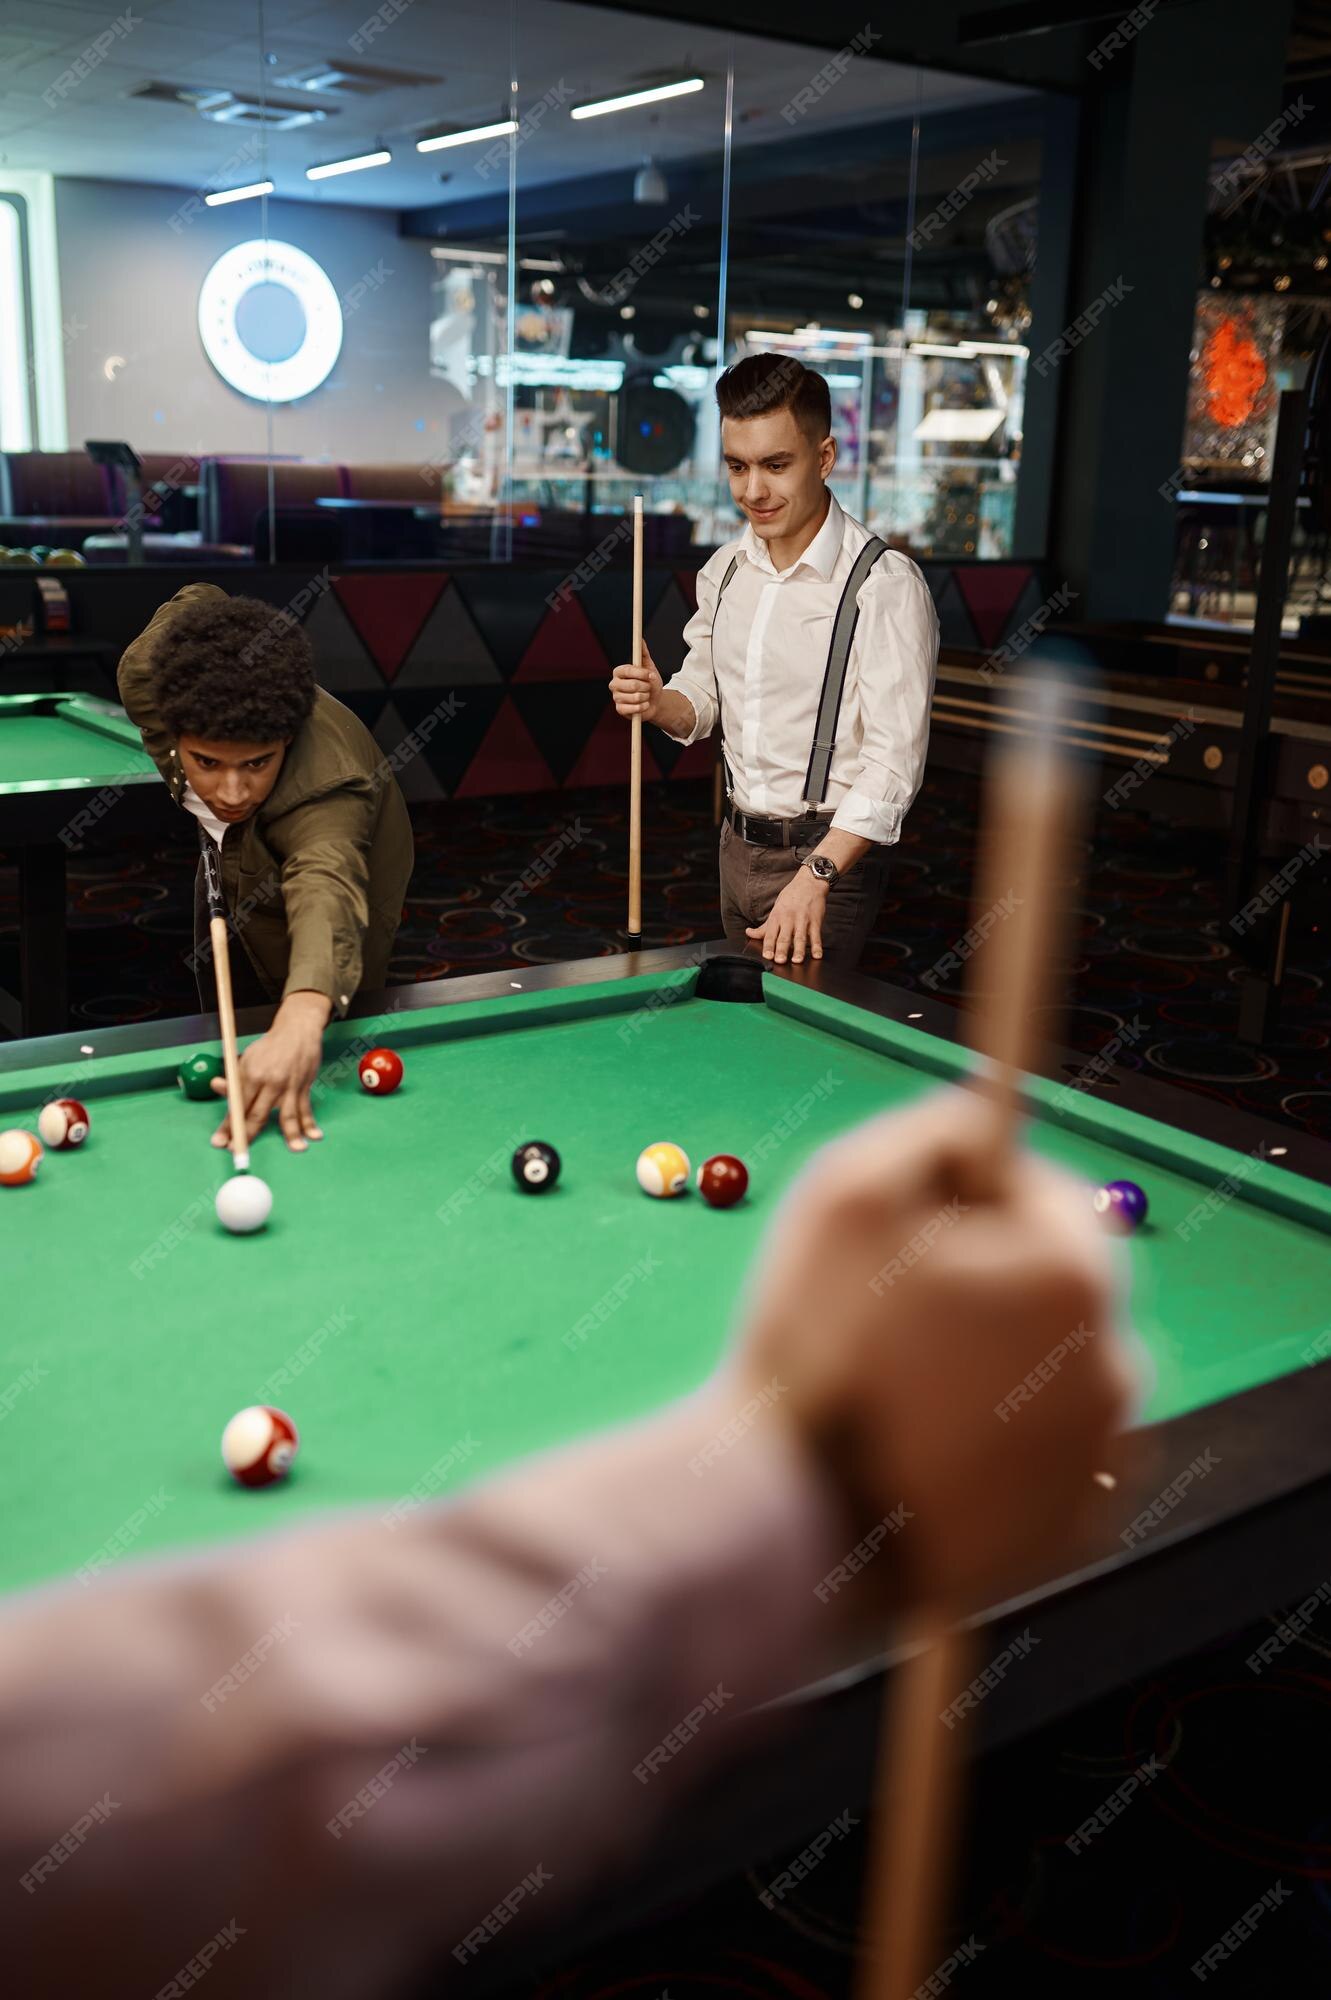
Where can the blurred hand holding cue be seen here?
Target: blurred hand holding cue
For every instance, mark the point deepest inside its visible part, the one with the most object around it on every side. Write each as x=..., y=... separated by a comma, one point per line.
x=226, y=1008
x=1031, y=816
x=635, y=742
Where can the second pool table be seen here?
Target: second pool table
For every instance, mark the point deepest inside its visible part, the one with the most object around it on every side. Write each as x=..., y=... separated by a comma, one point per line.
x=71, y=768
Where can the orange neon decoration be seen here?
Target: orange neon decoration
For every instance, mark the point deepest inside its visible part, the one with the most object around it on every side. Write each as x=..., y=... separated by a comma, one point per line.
x=1234, y=373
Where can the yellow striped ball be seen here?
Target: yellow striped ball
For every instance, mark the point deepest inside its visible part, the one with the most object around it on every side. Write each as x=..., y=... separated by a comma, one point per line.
x=663, y=1169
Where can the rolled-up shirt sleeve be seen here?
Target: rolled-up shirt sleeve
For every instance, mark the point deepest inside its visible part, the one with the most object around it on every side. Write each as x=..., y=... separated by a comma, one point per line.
x=897, y=654
x=696, y=679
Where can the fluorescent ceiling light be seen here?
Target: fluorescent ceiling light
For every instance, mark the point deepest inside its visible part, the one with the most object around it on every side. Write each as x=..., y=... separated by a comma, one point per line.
x=237, y=194
x=347, y=166
x=461, y=254
x=499, y=131
x=812, y=336
x=958, y=426
x=635, y=97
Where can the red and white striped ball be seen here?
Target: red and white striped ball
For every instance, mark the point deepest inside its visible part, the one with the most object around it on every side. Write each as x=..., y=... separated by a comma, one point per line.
x=20, y=1157
x=258, y=1445
x=63, y=1122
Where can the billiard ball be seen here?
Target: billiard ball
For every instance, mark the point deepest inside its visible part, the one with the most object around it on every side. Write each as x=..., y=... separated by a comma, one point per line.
x=63, y=1123
x=536, y=1167
x=1122, y=1204
x=723, y=1180
x=20, y=1157
x=244, y=1204
x=195, y=1077
x=663, y=1169
x=258, y=1445
x=380, y=1070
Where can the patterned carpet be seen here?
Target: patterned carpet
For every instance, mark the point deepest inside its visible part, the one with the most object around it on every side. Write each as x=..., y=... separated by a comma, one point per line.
x=1241, y=1808
x=1236, y=1813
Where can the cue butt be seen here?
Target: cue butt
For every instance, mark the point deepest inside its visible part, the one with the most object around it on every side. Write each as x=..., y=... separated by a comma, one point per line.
x=919, y=1782
x=1030, y=816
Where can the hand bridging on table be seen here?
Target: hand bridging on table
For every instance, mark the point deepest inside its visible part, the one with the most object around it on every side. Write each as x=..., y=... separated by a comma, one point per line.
x=899, y=1302
x=278, y=1071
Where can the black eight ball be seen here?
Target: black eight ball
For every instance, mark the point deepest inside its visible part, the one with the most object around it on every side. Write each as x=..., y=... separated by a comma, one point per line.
x=536, y=1167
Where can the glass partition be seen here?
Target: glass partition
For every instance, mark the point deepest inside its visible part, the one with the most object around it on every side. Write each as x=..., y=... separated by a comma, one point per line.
x=463, y=287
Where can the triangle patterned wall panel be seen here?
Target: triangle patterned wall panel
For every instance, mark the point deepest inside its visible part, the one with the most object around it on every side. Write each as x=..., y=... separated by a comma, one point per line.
x=449, y=651
x=342, y=662
x=956, y=627
x=604, y=759
x=564, y=647
x=506, y=607
x=562, y=716
x=389, y=610
x=664, y=630
x=506, y=760
x=990, y=591
x=413, y=773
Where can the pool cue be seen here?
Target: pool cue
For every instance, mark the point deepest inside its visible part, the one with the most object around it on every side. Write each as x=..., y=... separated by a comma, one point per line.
x=1029, y=821
x=226, y=1006
x=635, y=750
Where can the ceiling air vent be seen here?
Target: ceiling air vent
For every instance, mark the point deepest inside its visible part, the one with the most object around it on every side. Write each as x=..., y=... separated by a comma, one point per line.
x=227, y=107
x=344, y=79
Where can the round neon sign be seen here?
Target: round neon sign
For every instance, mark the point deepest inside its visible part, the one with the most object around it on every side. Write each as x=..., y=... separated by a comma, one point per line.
x=308, y=326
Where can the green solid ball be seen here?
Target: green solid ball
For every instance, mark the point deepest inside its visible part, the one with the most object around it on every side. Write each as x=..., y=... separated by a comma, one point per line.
x=195, y=1077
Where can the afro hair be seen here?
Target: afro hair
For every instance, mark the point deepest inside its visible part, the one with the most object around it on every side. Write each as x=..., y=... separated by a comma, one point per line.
x=234, y=670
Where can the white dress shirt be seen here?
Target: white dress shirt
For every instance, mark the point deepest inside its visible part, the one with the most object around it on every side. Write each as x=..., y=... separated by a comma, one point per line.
x=759, y=662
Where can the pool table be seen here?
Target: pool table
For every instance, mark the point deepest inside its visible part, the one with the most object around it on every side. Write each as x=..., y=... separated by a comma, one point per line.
x=426, y=1322
x=70, y=767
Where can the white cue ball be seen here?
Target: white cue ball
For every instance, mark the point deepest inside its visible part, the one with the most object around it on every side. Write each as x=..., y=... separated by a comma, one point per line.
x=244, y=1203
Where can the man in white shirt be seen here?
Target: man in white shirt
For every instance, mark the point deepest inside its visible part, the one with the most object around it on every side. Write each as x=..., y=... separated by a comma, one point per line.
x=824, y=745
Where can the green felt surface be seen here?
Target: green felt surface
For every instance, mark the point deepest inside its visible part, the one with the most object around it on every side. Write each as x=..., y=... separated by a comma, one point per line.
x=64, y=741
x=434, y=1323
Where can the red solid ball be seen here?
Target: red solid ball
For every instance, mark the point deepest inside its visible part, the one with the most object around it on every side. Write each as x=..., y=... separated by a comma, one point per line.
x=380, y=1071
x=723, y=1180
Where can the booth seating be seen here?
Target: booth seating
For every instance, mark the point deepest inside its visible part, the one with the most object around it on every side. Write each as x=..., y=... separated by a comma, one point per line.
x=198, y=511
x=169, y=482
x=421, y=483
x=53, y=497
x=233, y=492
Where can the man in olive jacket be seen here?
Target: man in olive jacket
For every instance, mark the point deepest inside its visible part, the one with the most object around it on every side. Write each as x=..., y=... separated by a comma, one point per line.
x=312, y=830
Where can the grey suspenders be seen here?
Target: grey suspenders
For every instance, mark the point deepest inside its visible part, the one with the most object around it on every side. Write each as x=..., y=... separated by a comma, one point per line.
x=834, y=675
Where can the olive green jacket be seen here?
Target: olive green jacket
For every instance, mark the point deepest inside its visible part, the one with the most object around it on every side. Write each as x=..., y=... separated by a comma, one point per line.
x=315, y=879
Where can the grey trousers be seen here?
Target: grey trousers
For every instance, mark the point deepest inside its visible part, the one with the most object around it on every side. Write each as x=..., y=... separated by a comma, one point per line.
x=753, y=877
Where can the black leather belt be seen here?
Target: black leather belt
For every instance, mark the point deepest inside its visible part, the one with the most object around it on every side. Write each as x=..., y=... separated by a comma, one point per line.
x=775, y=832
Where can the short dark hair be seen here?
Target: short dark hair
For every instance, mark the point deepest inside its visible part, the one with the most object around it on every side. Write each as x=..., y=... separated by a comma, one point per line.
x=761, y=383
x=234, y=670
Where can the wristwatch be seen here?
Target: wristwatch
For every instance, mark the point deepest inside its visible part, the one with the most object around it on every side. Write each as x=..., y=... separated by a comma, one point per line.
x=823, y=867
